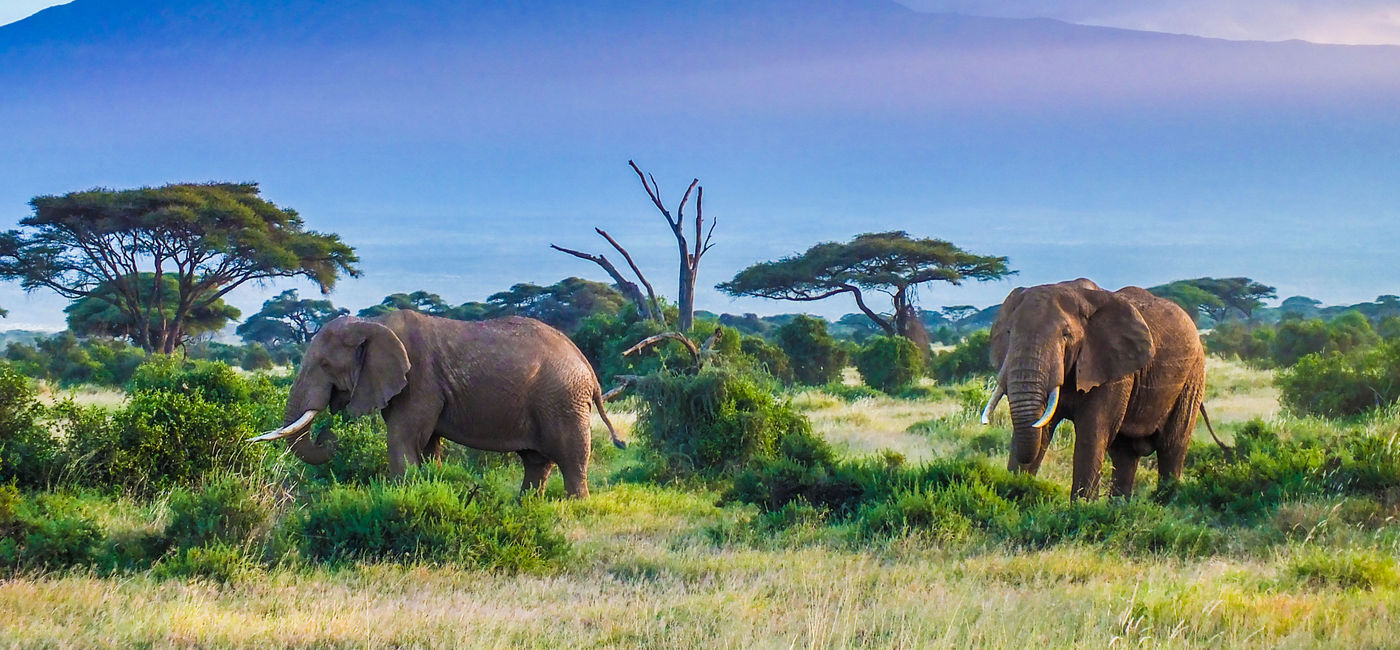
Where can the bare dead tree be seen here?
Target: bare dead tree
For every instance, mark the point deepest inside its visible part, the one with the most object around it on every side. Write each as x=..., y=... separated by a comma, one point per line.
x=689, y=254
x=649, y=310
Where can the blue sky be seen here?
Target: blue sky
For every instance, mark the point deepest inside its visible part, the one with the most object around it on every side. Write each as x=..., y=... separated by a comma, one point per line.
x=1127, y=159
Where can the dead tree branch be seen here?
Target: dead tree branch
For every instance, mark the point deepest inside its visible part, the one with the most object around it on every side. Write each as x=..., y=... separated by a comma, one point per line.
x=628, y=288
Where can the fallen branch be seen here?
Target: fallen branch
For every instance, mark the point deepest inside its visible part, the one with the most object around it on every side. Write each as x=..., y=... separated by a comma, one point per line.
x=624, y=382
x=673, y=336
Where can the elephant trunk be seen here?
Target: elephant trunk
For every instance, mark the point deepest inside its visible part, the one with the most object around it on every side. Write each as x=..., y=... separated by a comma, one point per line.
x=306, y=399
x=1029, y=389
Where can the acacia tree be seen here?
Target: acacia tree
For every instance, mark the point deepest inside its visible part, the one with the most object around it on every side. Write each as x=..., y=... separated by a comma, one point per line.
x=1215, y=297
x=428, y=303
x=212, y=238
x=690, y=253
x=288, y=318
x=98, y=314
x=892, y=263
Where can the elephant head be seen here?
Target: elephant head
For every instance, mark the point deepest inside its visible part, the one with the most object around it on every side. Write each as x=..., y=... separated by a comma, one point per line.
x=1071, y=336
x=352, y=365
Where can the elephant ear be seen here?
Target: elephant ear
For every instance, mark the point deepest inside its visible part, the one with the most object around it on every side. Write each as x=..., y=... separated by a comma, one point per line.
x=1117, y=343
x=381, y=367
x=1002, y=325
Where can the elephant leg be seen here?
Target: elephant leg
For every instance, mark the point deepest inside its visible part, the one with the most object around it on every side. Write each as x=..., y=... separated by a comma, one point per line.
x=1175, y=436
x=570, y=443
x=410, y=429
x=537, y=469
x=1125, y=465
x=1046, y=436
x=1096, y=422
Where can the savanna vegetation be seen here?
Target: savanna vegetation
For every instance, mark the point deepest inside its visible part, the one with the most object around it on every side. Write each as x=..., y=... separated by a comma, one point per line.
x=793, y=482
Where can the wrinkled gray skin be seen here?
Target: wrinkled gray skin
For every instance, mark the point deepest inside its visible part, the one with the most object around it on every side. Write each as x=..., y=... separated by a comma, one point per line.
x=1131, y=371
x=511, y=384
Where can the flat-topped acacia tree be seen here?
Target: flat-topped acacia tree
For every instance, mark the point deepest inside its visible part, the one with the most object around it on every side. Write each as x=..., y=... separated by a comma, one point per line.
x=892, y=263
x=211, y=237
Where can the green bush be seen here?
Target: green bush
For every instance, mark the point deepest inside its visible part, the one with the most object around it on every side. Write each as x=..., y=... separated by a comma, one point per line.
x=218, y=562
x=1336, y=385
x=890, y=363
x=1131, y=525
x=361, y=450
x=47, y=533
x=1238, y=339
x=67, y=360
x=29, y=453
x=714, y=422
x=816, y=357
x=1264, y=471
x=165, y=439
x=1297, y=338
x=768, y=357
x=211, y=381
x=430, y=519
x=223, y=510
x=970, y=358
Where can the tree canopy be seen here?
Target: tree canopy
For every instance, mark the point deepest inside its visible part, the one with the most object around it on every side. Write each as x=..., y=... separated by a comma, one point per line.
x=892, y=263
x=1216, y=297
x=97, y=314
x=562, y=304
x=211, y=238
x=288, y=319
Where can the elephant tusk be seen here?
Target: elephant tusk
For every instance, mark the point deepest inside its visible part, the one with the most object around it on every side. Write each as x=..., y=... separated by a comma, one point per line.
x=992, y=404
x=289, y=430
x=1050, y=405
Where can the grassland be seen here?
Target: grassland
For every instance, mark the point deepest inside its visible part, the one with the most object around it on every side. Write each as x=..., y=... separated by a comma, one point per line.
x=665, y=566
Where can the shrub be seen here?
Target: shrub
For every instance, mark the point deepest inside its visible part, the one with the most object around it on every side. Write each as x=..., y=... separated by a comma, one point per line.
x=768, y=357
x=211, y=381
x=1238, y=339
x=361, y=450
x=890, y=363
x=48, y=532
x=223, y=510
x=1297, y=338
x=815, y=356
x=165, y=439
x=1131, y=525
x=430, y=519
x=1264, y=471
x=29, y=454
x=970, y=358
x=1335, y=385
x=218, y=562
x=65, y=359
x=714, y=422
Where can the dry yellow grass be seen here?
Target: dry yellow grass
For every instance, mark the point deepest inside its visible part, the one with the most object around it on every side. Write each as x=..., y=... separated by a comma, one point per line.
x=646, y=576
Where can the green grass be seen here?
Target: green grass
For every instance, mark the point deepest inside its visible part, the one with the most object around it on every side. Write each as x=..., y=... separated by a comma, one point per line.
x=669, y=566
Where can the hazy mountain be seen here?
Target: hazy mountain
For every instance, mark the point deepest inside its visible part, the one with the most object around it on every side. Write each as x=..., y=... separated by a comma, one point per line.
x=482, y=131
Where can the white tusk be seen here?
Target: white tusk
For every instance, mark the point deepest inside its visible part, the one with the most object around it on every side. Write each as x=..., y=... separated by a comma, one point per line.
x=992, y=404
x=289, y=430
x=1050, y=405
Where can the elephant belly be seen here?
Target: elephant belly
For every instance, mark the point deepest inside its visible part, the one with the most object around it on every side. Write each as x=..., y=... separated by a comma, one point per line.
x=487, y=429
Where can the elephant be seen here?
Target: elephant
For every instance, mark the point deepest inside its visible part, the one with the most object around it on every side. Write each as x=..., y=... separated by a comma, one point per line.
x=510, y=384
x=1127, y=367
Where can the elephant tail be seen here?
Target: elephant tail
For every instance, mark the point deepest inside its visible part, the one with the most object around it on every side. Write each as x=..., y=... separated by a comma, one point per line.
x=598, y=402
x=1211, y=429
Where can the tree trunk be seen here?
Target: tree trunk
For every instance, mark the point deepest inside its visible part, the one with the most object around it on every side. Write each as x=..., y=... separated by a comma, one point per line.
x=686, y=320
